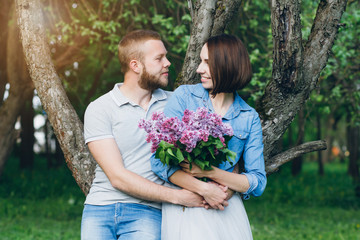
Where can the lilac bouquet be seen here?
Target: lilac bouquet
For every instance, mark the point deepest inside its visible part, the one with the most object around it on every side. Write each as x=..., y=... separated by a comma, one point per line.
x=200, y=137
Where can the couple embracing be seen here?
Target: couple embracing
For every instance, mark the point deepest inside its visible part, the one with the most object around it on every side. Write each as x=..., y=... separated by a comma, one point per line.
x=134, y=195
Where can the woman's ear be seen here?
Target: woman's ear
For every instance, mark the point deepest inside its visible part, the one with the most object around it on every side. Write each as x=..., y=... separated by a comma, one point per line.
x=135, y=65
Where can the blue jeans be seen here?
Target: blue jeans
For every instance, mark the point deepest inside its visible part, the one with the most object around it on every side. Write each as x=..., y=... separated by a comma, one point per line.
x=121, y=221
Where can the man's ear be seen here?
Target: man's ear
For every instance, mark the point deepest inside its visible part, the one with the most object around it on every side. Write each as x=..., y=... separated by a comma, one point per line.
x=135, y=65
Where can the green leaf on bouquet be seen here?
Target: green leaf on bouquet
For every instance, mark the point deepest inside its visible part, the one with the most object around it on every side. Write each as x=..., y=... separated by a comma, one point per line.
x=211, y=151
x=161, y=155
x=219, y=144
x=227, y=138
x=232, y=155
x=167, y=160
x=229, y=153
x=165, y=145
x=203, y=155
x=196, y=151
x=205, y=144
x=179, y=155
x=204, y=165
x=170, y=152
x=199, y=163
x=188, y=157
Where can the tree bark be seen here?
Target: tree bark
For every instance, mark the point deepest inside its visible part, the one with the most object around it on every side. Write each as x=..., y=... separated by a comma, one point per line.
x=319, y=155
x=295, y=69
x=67, y=126
x=4, y=20
x=353, y=143
x=27, y=134
x=210, y=18
x=20, y=88
x=292, y=153
x=203, y=21
x=297, y=162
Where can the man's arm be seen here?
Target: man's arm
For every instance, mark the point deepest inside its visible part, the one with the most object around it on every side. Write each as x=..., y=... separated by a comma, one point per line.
x=108, y=156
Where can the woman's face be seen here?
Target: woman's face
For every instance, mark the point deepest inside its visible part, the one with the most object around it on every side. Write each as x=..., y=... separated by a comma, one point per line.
x=204, y=70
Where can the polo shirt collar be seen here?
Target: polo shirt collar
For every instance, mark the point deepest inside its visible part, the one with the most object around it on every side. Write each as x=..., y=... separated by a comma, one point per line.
x=120, y=99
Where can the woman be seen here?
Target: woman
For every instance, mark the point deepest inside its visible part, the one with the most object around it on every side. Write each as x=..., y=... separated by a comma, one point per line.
x=224, y=68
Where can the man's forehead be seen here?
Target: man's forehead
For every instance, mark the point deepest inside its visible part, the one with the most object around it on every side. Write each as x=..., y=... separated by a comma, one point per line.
x=153, y=47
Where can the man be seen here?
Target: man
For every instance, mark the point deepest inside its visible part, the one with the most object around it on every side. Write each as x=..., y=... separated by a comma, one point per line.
x=124, y=199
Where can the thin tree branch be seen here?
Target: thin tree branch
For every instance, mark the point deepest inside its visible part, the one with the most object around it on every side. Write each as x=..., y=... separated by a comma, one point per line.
x=275, y=162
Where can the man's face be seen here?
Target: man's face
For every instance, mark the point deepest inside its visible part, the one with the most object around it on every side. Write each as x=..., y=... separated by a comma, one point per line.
x=155, y=65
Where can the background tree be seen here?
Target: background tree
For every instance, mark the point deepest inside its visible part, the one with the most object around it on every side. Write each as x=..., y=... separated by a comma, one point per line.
x=295, y=71
x=13, y=72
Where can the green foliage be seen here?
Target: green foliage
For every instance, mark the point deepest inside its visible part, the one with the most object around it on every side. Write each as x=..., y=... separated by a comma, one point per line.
x=339, y=92
x=253, y=27
x=93, y=29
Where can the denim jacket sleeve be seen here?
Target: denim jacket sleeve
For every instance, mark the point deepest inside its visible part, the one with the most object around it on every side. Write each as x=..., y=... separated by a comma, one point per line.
x=174, y=108
x=254, y=160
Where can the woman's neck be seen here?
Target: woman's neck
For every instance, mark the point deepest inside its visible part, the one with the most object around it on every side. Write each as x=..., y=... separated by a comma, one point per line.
x=222, y=102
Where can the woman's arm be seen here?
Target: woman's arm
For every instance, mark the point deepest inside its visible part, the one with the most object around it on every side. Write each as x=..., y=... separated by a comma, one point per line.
x=213, y=194
x=235, y=181
x=253, y=180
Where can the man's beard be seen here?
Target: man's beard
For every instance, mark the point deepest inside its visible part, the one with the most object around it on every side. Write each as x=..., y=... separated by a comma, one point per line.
x=150, y=82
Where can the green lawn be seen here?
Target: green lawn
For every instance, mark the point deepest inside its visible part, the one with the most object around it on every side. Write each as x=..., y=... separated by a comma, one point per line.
x=47, y=204
x=307, y=206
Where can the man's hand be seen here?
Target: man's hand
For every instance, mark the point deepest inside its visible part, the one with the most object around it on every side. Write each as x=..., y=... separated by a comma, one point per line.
x=190, y=199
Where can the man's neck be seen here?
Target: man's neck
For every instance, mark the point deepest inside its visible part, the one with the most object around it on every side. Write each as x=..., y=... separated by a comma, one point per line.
x=137, y=95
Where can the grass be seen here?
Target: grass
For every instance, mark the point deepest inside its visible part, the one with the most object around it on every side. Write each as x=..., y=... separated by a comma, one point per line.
x=47, y=204
x=39, y=204
x=307, y=206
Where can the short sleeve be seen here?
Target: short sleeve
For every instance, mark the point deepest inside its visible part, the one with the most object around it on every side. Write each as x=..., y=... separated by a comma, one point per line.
x=97, y=123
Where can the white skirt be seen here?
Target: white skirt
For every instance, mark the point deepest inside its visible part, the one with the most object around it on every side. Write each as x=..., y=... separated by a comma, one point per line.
x=179, y=223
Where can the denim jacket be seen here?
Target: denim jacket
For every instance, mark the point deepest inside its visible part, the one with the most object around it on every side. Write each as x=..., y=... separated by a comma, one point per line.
x=246, y=142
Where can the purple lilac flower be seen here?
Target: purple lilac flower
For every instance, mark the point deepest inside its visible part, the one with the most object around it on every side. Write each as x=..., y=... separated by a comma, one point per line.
x=194, y=127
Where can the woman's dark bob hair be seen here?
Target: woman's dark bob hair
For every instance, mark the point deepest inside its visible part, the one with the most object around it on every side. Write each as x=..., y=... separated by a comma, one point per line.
x=229, y=64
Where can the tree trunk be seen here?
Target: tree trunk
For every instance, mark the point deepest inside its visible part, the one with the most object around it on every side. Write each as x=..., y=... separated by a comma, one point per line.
x=209, y=18
x=319, y=155
x=295, y=69
x=27, y=134
x=20, y=88
x=67, y=126
x=4, y=20
x=326, y=155
x=297, y=162
x=353, y=143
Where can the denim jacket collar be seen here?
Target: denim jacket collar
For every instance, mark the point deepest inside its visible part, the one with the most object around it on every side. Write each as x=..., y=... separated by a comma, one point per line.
x=238, y=105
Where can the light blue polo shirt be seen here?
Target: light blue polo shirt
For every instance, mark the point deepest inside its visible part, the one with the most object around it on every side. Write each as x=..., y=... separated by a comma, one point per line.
x=115, y=116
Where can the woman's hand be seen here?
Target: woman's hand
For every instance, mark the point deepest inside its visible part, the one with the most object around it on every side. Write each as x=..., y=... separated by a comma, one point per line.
x=227, y=190
x=195, y=169
x=215, y=195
